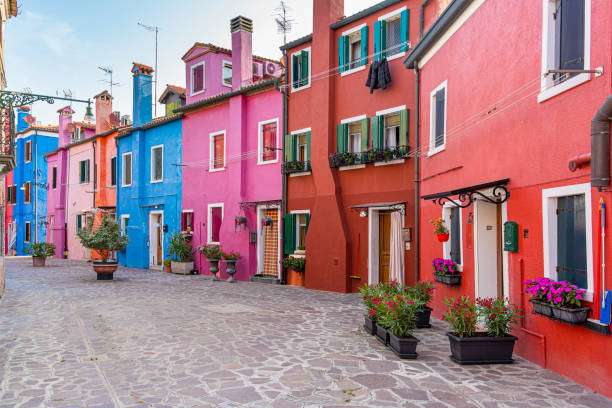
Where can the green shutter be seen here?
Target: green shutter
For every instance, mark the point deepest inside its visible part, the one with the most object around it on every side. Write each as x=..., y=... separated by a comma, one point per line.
x=346, y=53
x=307, y=224
x=404, y=126
x=82, y=171
x=289, y=233
x=304, y=65
x=308, y=148
x=365, y=135
x=288, y=148
x=364, y=46
x=79, y=222
x=376, y=41
x=378, y=132
x=296, y=71
x=340, y=54
x=341, y=136
x=87, y=172
x=383, y=39
x=405, y=29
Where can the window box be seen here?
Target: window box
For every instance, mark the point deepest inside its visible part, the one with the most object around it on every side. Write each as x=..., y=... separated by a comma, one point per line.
x=344, y=159
x=573, y=316
x=295, y=167
x=482, y=349
x=447, y=279
x=384, y=154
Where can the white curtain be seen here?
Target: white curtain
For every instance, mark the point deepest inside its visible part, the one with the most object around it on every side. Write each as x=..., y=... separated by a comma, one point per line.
x=396, y=267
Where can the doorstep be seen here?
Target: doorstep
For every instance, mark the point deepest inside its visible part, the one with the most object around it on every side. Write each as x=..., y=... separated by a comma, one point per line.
x=265, y=279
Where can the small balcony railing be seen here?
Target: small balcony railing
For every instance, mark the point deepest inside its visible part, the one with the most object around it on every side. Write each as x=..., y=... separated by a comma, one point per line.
x=295, y=167
x=370, y=156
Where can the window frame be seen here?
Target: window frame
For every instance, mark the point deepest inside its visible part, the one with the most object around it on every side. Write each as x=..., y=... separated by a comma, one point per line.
x=547, y=89
x=298, y=133
x=27, y=188
x=152, y=164
x=209, y=222
x=446, y=246
x=392, y=15
x=211, y=158
x=549, y=229
x=122, y=224
x=191, y=81
x=223, y=66
x=87, y=172
x=296, y=232
x=123, y=173
x=54, y=177
x=352, y=32
x=27, y=231
x=432, y=119
x=386, y=112
x=113, y=180
x=27, y=145
x=184, y=231
x=349, y=121
x=299, y=53
x=260, y=141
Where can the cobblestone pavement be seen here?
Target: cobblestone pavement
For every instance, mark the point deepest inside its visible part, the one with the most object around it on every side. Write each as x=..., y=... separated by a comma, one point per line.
x=151, y=339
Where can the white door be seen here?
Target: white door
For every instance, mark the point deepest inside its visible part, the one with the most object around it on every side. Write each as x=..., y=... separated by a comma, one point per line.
x=486, y=249
x=156, y=220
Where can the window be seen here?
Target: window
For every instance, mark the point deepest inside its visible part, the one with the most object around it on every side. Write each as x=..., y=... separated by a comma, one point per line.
x=354, y=137
x=452, y=248
x=77, y=134
x=28, y=235
x=295, y=230
x=79, y=222
x=393, y=39
x=217, y=151
x=391, y=33
x=27, y=192
x=215, y=219
x=392, y=130
x=353, y=49
x=268, y=141
x=297, y=149
x=126, y=170
x=300, y=69
x=125, y=220
x=187, y=221
x=84, y=171
x=157, y=164
x=227, y=73
x=302, y=147
x=566, y=37
x=437, y=124
x=9, y=194
x=301, y=227
x=28, y=151
x=113, y=171
x=54, y=177
x=568, y=235
x=197, y=78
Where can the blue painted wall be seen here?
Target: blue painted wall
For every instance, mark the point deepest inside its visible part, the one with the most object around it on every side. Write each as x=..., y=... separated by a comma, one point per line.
x=142, y=197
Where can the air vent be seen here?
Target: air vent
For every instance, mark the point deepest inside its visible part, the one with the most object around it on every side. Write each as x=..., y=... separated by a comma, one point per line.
x=241, y=23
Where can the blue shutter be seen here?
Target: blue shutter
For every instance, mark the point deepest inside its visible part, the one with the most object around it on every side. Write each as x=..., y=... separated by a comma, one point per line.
x=571, y=240
x=571, y=34
x=376, y=37
x=364, y=46
x=341, y=61
x=405, y=29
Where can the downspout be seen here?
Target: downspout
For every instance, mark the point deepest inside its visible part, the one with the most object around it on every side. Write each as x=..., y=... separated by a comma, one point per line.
x=284, y=176
x=35, y=187
x=600, y=145
x=422, y=17
x=95, y=174
x=417, y=171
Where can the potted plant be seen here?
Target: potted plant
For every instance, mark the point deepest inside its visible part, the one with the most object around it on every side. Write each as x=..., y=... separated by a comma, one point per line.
x=446, y=271
x=180, y=253
x=213, y=254
x=105, y=239
x=422, y=292
x=557, y=300
x=295, y=270
x=40, y=251
x=400, y=321
x=370, y=295
x=167, y=265
x=495, y=346
x=230, y=259
x=440, y=229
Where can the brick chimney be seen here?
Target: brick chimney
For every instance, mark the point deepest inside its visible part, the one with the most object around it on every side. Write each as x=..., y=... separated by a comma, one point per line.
x=65, y=126
x=104, y=108
x=242, y=51
x=142, y=107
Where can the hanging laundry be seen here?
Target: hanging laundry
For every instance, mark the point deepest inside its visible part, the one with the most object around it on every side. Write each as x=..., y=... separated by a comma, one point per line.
x=379, y=75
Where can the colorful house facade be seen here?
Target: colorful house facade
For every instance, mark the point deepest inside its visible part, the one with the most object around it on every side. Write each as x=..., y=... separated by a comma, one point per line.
x=517, y=162
x=172, y=98
x=149, y=177
x=232, y=153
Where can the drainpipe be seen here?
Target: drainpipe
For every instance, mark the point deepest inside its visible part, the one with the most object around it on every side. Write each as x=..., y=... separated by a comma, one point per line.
x=422, y=18
x=540, y=336
x=284, y=176
x=600, y=145
x=95, y=172
x=417, y=171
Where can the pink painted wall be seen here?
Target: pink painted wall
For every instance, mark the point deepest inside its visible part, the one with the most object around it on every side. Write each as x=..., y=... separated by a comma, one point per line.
x=213, y=84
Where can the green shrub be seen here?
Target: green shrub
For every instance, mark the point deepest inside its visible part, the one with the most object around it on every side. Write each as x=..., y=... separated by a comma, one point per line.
x=179, y=248
x=297, y=264
x=41, y=250
x=107, y=237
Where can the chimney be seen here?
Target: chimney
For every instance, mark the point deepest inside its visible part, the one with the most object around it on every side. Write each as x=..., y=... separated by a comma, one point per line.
x=104, y=107
x=326, y=12
x=22, y=112
x=142, y=107
x=242, y=51
x=65, y=126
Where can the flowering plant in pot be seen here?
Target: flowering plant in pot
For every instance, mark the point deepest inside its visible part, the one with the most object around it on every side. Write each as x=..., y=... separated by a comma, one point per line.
x=371, y=294
x=469, y=346
x=557, y=300
x=181, y=254
x=40, y=251
x=230, y=258
x=213, y=254
x=295, y=270
x=446, y=271
x=440, y=229
x=423, y=293
x=105, y=239
x=167, y=265
x=400, y=320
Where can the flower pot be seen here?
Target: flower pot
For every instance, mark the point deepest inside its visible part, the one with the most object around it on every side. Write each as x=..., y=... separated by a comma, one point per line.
x=382, y=334
x=541, y=308
x=481, y=349
x=105, y=270
x=403, y=347
x=38, y=261
x=448, y=279
x=369, y=325
x=230, y=269
x=443, y=237
x=295, y=278
x=168, y=268
x=214, y=268
x=573, y=316
x=183, y=268
x=423, y=317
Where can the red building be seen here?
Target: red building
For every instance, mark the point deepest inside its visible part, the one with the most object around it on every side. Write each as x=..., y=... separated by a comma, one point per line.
x=502, y=139
x=349, y=182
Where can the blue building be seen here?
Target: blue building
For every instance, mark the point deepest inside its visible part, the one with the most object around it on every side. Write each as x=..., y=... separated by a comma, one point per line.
x=149, y=178
x=30, y=180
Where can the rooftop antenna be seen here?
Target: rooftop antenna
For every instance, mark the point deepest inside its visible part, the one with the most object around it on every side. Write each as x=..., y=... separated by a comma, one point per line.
x=108, y=70
x=67, y=94
x=283, y=20
x=156, y=29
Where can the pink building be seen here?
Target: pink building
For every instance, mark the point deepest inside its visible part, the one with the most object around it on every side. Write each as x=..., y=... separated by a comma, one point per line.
x=231, y=153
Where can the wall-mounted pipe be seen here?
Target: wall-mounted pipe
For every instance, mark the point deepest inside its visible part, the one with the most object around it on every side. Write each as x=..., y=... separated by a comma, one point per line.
x=540, y=336
x=579, y=161
x=600, y=145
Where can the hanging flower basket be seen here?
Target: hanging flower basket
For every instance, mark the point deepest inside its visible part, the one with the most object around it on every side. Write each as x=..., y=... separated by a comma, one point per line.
x=443, y=237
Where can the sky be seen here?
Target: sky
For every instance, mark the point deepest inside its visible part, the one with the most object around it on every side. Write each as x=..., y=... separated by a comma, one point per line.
x=53, y=46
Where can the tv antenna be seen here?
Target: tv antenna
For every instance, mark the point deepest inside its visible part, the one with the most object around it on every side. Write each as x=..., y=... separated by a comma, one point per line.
x=156, y=29
x=108, y=70
x=283, y=20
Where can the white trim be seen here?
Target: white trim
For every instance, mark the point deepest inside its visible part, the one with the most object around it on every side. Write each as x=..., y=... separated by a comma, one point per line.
x=123, y=156
x=153, y=246
x=354, y=29
x=390, y=110
x=446, y=246
x=373, y=224
x=305, y=173
x=260, y=146
x=32, y=132
x=191, y=81
x=122, y=223
x=547, y=89
x=432, y=119
x=391, y=14
x=353, y=70
x=181, y=221
x=451, y=31
x=389, y=163
x=187, y=211
x=300, y=131
x=211, y=152
x=151, y=153
x=299, y=212
x=290, y=64
x=352, y=167
x=209, y=222
x=505, y=275
x=549, y=229
x=396, y=56
x=353, y=119
x=223, y=62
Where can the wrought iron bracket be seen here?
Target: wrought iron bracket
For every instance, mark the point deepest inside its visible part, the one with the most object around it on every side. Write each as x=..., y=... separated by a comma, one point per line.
x=500, y=195
x=14, y=99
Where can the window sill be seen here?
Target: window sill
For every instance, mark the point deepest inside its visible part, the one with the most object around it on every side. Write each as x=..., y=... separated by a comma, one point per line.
x=301, y=88
x=197, y=93
x=305, y=173
x=126, y=185
x=216, y=170
x=157, y=181
x=260, y=163
x=352, y=167
x=227, y=85
x=396, y=56
x=436, y=150
x=562, y=87
x=353, y=70
x=390, y=162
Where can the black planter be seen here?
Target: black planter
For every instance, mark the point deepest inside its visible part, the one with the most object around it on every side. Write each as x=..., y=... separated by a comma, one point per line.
x=369, y=325
x=573, y=316
x=403, y=347
x=214, y=268
x=447, y=279
x=230, y=269
x=482, y=350
x=105, y=276
x=423, y=318
x=541, y=308
x=382, y=334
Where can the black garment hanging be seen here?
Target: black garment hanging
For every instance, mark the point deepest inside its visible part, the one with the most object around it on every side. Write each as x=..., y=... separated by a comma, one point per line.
x=379, y=75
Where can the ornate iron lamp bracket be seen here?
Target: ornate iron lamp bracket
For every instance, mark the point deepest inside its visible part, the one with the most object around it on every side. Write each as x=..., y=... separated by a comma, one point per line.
x=499, y=195
x=14, y=99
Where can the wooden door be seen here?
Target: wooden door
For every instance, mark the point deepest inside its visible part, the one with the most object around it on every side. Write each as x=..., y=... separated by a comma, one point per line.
x=158, y=226
x=384, y=246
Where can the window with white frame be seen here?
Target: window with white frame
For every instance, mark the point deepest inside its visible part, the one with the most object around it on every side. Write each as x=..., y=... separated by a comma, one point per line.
x=84, y=171
x=157, y=163
x=197, y=78
x=301, y=228
x=354, y=137
x=126, y=169
x=215, y=219
x=392, y=130
x=453, y=248
x=303, y=153
x=268, y=141
x=300, y=69
x=125, y=220
x=217, y=151
x=187, y=221
x=226, y=72
x=437, y=123
x=567, y=236
x=566, y=41
x=355, y=49
x=391, y=34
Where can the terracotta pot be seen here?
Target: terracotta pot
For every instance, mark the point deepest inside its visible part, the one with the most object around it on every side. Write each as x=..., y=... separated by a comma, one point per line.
x=105, y=270
x=168, y=268
x=443, y=237
x=38, y=262
x=295, y=278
